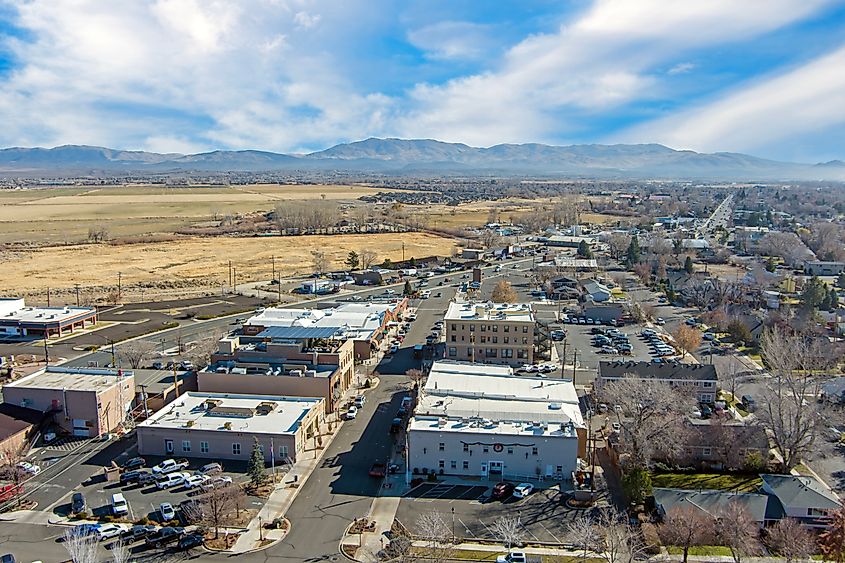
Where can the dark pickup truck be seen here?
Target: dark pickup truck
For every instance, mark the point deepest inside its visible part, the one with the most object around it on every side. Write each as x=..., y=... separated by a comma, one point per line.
x=378, y=470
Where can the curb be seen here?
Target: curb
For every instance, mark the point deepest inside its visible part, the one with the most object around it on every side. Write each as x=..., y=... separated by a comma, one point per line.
x=269, y=545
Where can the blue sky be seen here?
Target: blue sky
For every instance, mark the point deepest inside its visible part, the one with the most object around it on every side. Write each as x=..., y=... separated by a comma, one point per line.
x=766, y=77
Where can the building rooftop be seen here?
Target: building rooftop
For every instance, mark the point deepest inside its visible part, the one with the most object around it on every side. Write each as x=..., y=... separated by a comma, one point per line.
x=712, y=502
x=14, y=309
x=263, y=414
x=350, y=320
x=664, y=370
x=801, y=491
x=489, y=311
x=486, y=426
x=505, y=403
x=71, y=379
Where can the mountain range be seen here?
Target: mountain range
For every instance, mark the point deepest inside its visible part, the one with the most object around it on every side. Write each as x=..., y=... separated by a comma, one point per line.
x=425, y=157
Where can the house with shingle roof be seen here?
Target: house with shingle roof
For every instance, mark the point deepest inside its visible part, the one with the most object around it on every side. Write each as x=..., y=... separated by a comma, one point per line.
x=802, y=497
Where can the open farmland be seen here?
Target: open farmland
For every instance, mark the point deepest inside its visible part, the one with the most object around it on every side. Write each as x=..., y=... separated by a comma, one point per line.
x=64, y=215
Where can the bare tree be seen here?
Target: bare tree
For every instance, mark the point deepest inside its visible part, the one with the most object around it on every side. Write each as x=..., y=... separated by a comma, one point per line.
x=120, y=552
x=98, y=234
x=508, y=529
x=368, y=258
x=791, y=419
x=416, y=376
x=687, y=338
x=432, y=529
x=618, y=244
x=582, y=533
x=619, y=540
x=729, y=377
x=651, y=414
x=738, y=531
x=10, y=471
x=81, y=547
x=832, y=540
x=504, y=292
x=201, y=351
x=789, y=539
x=686, y=527
x=319, y=261
x=135, y=353
x=212, y=508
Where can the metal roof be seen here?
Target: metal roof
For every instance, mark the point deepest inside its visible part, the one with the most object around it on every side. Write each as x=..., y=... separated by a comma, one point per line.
x=297, y=332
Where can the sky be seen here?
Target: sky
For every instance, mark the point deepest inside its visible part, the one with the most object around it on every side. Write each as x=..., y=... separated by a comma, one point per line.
x=764, y=77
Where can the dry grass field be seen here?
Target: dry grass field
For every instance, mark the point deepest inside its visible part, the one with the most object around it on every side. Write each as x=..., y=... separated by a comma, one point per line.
x=63, y=215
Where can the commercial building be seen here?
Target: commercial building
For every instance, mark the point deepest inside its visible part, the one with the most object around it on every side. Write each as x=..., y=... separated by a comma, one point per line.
x=225, y=426
x=84, y=402
x=16, y=319
x=491, y=333
x=282, y=361
x=699, y=380
x=366, y=324
x=482, y=421
x=18, y=427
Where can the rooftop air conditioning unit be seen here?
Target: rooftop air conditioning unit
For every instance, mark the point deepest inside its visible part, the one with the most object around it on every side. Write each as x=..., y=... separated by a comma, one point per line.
x=296, y=373
x=310, y=373
x=441, y=422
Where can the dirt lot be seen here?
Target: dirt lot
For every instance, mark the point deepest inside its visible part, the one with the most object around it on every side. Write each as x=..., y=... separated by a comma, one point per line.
x=196, y=261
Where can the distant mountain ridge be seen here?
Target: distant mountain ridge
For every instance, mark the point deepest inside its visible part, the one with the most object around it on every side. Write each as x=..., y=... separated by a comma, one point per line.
x=408, y=156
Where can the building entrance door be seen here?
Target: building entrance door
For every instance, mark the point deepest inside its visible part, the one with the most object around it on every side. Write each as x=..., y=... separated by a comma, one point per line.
x=496, y=467
x=168, y=446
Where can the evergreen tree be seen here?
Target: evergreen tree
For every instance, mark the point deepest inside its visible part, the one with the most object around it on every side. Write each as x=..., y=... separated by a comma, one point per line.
x=255, y=470
x=633, y=253
x=688, y=265
x=771, y=266
x=840, y=281
x=584, y=250
x=352, y=260
x=409, y=290
x=814, y=294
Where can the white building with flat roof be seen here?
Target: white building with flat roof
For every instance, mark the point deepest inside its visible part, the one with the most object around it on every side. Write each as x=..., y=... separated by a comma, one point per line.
x=483, y=421
x=17, y=319
x=490, y=333
x=225, y=426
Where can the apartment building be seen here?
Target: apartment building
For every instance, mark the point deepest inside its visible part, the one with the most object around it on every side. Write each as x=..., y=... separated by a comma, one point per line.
x=491, y=333
x=699, y=380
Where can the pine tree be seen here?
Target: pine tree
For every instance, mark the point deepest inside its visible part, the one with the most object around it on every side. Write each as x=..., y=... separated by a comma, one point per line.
x=840, y=281
x=688, y=266
x=633, y=253
x=352, y=260
x=255, y=470
x=584, y=250
x=409, y=290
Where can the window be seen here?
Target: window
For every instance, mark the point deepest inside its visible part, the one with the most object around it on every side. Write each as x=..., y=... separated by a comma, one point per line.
x=483, y=339
x=204, y=447
x=236, y=449
x=441, y=447
x=507, y=353
x=534, y=451
x=454, y=327
x=495, y=328
x=453, y=464
x=472, y=328
x=452, y=350
x=705, y=451
x=560, y=469
x=507, y=328
x=186, y=445
x=525, y=340
x=283, y=452
x=522, y=354
x=466, y=447
x=491, y=352
x=708, y=384
x=469, y=352
x=495, y=340
x=510, y=451
x=466, y=464
x=486, y=449
x=525, y=330
x=483, y=328
x=441, y=464
x=454, y=338
x=507, y=340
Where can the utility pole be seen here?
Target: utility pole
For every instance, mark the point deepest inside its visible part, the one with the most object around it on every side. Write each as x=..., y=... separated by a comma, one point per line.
x=77, y=294
x=403, y=251
x=273, y=260
x=46, y=352
x=234, y=280
x=144, y=398
x=48, y=296
x=562, y=359
x=574, y=361
x=119, y=287
x=230, y=273
x=113, y=361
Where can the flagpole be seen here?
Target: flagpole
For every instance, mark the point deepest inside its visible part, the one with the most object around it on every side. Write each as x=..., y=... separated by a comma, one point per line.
x=273, y=459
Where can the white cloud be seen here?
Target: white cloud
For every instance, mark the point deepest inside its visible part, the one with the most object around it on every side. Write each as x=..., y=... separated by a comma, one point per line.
x=305, y=20
x=803, y=100
x=454, y=40
x=604, y=58
x=680, y=68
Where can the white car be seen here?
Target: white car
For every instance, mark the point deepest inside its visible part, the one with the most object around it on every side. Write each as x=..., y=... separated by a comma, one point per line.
x=167, y=512
x=659, y=321
x=523, y=490
x=30, y=468
x=172, y=480
x=195, y=481
x=217, y=482
x=411, y=318
x=513, y=557
x=108, y=531
x=352, y=413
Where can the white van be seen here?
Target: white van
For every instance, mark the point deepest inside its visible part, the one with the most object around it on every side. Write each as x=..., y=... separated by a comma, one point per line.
x=119, y=506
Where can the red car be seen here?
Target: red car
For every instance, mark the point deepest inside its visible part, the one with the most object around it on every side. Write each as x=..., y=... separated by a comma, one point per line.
x=502, y=490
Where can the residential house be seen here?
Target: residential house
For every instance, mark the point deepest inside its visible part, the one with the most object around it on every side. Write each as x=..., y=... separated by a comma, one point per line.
x=803, y=498
x=712, y=503
x=596, y=291
x=820, y=268
x=722, y=445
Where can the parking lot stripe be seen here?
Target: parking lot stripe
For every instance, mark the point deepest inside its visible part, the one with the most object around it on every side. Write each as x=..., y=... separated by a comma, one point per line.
x=467, y=528
x=550, y=532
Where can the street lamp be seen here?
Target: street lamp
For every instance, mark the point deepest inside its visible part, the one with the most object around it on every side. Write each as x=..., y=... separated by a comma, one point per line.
x=260, y=529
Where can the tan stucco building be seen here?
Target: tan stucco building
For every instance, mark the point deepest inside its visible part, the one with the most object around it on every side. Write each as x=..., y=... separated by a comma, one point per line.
x=490, y=333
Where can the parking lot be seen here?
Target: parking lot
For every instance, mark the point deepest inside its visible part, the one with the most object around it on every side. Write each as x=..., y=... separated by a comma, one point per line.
x=544, y=516
x=579, y=337
x=144, y=500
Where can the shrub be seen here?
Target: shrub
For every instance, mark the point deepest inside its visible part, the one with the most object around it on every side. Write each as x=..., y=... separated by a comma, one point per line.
x=651, y=538
x=432, y=476
x=142, y=521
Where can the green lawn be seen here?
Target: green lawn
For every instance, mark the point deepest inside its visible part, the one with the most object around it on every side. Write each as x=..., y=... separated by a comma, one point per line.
x=703, y=550
x=718, y=481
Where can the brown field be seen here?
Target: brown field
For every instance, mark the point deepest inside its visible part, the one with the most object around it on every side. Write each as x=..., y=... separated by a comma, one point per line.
x=64, y=215
x=203, y=260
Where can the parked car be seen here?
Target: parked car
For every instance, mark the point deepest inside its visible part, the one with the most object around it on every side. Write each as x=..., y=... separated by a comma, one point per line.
x=129, y=477
x=513, y=557
x=29, y=468
x=659, y=321
x=138, y=531
x=110, y=530
x=119, y=506
x=352, y=413
x=172, y=480
x=209, y=469
x=502, y=490
x=189, y=542
x=77, y=503
x=608, y=350
x=523, y=490
x=360, y=400
x=195, y=480
x=164, y=536
x=216, y=482
x=166, y=511
x=170, y=465
x=134, y=463
x=145, y=477
x=158, y=365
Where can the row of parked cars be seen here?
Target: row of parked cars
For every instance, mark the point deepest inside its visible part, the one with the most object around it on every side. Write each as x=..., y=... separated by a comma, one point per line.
x=611, y=341
x=153, y=536
x=168, y=474
x=659, y=347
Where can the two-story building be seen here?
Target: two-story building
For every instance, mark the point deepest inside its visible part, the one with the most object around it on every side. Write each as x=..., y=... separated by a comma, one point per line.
x=483, y=421
x=699, y=380
x=492, y=333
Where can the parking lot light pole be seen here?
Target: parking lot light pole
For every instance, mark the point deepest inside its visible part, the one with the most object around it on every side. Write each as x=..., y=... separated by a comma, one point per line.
x=453, y=524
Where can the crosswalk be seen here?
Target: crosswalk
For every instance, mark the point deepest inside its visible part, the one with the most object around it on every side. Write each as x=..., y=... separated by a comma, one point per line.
x=66, y=444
